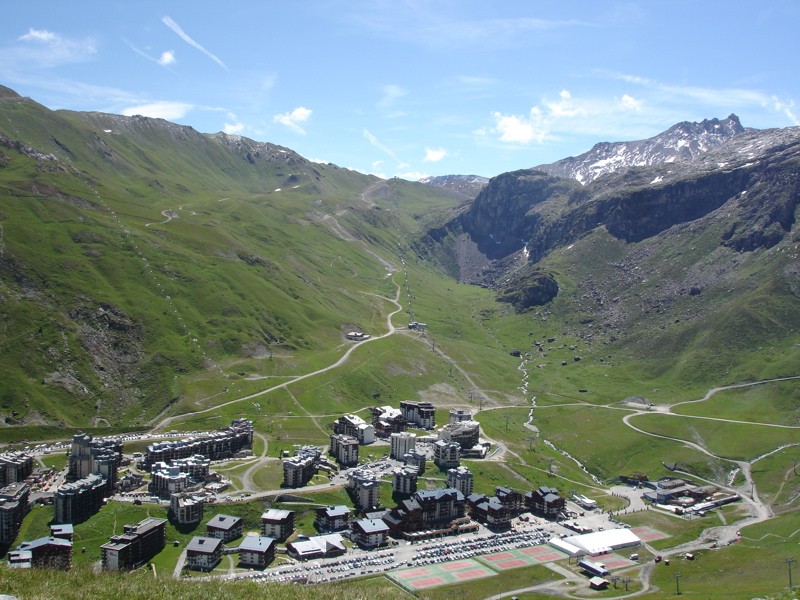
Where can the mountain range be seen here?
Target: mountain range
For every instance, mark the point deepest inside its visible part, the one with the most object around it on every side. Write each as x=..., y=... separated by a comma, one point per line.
x=138, y=257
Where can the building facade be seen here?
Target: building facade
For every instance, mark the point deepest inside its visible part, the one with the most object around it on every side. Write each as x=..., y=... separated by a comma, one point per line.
x=14, y=467
x=13, y=508
x=137, y=545
x=370, y=533
x=356, y=427
x=46, y=552
x=204, y=553
x=387, y=420
x=464, y=433
x=402, y=443
x=446, y=455
x=225, y=527
x=77, y=501
x=545, y=501
x=460, y=479
x=185, y=508
x=298, y=470
x=404, y=480
x=332, y=518
x=219, y=445
x=432, y=511
x=419, y=414
x=364, y=489
x=256, y=551
x=344, y=449
x=277, y=524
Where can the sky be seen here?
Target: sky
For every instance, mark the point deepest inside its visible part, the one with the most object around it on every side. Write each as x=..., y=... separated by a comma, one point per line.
x=412, y=88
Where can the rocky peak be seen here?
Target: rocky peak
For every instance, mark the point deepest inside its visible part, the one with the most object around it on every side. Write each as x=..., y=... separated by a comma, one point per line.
x=467, y=186
x=681, y=142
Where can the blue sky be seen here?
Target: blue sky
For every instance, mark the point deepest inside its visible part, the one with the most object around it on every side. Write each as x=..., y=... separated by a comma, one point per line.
x=410, y=88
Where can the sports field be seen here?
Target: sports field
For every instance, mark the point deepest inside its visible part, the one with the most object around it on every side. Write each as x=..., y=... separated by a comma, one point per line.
x=428, y=576
x=521, y=557
x=648, y=534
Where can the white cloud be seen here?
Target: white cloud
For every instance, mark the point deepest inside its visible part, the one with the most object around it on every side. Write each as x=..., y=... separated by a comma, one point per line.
x=159, y=110
x=521, y=129
x=412, y=175
x=47, y=49
x=434, y=154
x=39, y=35
x=185, y=37
x=233, y=128
x=167, y=58
x=565, y=107
x=630, y=103
x=787, y=108
x=292, y=119
x=391, y=93
x=375, y=142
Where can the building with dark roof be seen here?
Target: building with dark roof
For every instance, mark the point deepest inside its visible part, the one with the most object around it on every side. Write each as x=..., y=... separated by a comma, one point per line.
x=256, y=551
x=490, y=511
x=369, y=533
x=204, y=553
x=225, y=527
x=64, y=532
x=427, y=510
x=416, y=459
x=545, y=501
x=45, y=552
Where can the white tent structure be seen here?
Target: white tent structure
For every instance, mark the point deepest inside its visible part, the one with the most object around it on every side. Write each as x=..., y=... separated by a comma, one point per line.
x=603, y=542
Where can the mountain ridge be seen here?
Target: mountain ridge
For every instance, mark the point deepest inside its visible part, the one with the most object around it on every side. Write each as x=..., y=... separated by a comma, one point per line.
x=683, y=141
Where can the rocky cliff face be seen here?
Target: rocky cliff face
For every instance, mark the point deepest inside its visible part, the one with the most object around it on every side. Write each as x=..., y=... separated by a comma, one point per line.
x=749, y=184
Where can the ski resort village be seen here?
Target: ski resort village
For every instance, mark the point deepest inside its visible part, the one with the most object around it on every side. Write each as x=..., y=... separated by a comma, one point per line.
x=413, y=510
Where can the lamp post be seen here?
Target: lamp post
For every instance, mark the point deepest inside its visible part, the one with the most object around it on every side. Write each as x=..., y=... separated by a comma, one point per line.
x=789, y=562
x=677, y=577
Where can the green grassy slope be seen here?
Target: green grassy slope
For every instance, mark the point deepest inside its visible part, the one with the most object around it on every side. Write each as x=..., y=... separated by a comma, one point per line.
x=136, y=252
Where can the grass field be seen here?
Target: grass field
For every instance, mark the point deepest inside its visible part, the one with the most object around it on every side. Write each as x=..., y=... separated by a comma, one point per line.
x=738, y=441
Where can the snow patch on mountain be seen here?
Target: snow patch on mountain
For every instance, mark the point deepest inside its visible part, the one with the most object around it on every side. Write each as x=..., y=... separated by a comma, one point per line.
x=682, y=142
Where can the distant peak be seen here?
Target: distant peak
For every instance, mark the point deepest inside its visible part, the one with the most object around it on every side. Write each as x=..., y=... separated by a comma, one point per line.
x=8, y=93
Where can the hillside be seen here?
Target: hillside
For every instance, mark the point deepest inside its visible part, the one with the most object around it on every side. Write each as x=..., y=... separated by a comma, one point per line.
x=688, y=263
x=135, y=253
